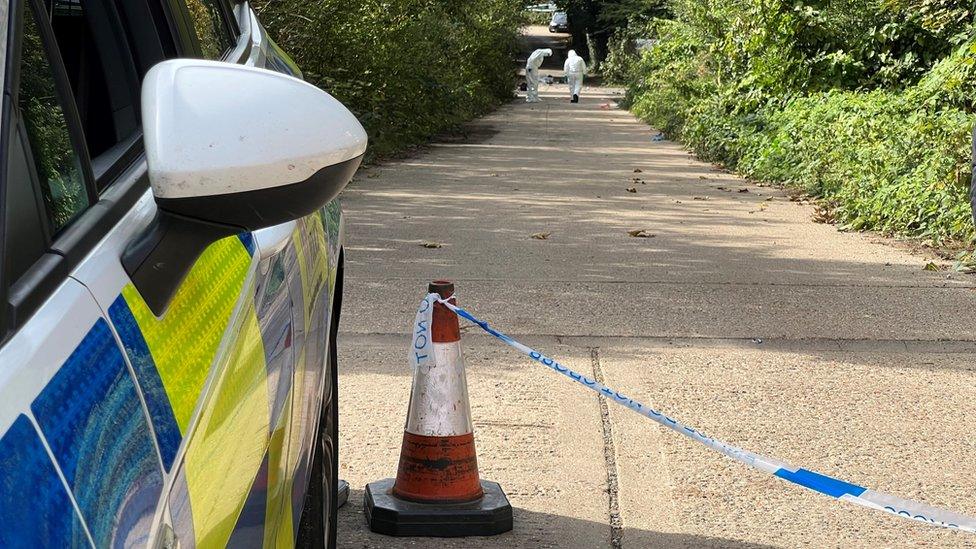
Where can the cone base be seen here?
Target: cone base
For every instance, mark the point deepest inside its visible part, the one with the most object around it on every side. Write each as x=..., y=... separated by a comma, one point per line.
x=488, y=516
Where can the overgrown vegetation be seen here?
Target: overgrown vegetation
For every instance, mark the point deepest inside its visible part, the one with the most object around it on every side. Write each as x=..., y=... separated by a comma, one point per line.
x=538, y=18
x=407, y=68
x=867, y=104
x=594, y=22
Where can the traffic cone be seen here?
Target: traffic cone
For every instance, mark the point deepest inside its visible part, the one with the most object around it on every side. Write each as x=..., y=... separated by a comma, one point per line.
x=437, y=490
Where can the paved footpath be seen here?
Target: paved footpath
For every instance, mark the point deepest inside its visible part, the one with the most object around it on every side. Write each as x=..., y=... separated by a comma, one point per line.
x=739, y=315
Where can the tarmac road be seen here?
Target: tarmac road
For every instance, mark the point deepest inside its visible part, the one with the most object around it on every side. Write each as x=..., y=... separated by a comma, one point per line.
x=538, y=36
x=740, y=315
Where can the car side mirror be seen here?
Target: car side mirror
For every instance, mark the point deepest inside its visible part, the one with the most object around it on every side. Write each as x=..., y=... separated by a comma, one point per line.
x=232, y=149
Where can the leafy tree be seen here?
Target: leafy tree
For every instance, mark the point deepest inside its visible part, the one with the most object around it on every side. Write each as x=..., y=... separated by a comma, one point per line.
x=407, y=68
x=593, y=22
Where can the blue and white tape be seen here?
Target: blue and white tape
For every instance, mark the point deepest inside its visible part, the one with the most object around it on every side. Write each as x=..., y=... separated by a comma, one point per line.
x=817, y=482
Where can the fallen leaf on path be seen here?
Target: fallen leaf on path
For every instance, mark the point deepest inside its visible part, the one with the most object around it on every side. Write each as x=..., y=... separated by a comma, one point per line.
x=493, y=175
x=702, y=177
x=701, y=198
x=763, y=206
x=770, y=199
x=638, y=170
x=542, y=236
x=641, y=233
x=823, y=214
x=632, y=189
x=930, y=266
x=743, y=190
x=432, y=245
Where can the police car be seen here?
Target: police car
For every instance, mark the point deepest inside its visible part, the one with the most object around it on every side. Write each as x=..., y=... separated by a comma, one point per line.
x=171, y=277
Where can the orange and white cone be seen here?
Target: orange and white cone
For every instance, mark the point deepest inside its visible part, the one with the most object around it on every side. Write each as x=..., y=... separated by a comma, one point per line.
x=437, y=490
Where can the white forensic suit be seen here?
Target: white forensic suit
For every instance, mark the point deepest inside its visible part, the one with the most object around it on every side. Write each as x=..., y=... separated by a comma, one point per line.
x=532, y=73
x=575, y=69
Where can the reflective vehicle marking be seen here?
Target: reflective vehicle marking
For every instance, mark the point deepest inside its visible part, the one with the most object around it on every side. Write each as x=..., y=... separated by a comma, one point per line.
x=164, y=423
x=184, y=342
x=231, y=436
x=91, y=416
x=46, y=517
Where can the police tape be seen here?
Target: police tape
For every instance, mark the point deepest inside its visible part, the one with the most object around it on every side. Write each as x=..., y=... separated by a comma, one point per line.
x=812, y=480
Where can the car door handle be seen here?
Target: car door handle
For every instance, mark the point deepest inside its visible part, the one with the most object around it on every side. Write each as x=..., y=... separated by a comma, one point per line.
x=272, y=240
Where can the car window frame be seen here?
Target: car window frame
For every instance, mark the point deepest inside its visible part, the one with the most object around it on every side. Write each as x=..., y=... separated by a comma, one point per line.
x=118, y=186
x=184, y=29
x=69, y=246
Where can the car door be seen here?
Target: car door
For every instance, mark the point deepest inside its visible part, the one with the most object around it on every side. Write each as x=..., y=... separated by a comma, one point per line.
x=199, y=368
x=78, y=462
x=218, y=367
x=228, y=435
x=201, y=364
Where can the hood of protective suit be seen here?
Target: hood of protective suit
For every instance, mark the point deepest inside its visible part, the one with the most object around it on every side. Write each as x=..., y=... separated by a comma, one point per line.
x=574, y=64
x=537, y=57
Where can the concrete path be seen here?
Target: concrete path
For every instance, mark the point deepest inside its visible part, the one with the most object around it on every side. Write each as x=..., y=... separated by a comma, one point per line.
x=738, y=315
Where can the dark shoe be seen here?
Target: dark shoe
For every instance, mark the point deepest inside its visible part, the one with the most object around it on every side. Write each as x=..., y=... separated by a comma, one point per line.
x=575, y=98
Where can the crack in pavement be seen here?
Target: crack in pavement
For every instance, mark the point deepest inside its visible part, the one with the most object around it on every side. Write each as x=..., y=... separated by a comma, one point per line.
x=954, y=285
x=781, y=344
x=610, y=457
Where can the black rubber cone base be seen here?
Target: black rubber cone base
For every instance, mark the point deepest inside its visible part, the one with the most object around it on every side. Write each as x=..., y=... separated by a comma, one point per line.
x=385, y=514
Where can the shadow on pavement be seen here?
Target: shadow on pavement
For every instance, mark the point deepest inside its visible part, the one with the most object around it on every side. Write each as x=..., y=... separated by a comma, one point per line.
x=532, y=529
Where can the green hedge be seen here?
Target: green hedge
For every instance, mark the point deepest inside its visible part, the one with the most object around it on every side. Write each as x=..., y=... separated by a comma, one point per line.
x=884, y=153
x=883, y=162
x=407, y=68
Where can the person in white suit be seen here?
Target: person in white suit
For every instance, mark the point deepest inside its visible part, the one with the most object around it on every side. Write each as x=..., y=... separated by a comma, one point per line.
x=575, y=69
x=532, y=74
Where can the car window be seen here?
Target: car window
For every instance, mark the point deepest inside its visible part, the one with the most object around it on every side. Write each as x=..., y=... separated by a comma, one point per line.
x=73, y=106
x=99, y=68
x=56, y=162
x=211, y=30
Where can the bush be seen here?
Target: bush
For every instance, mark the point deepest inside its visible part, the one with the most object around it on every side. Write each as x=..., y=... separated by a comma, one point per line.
x=867, y=105
x=538, y=18
x=407, y=68
x=882, y=161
